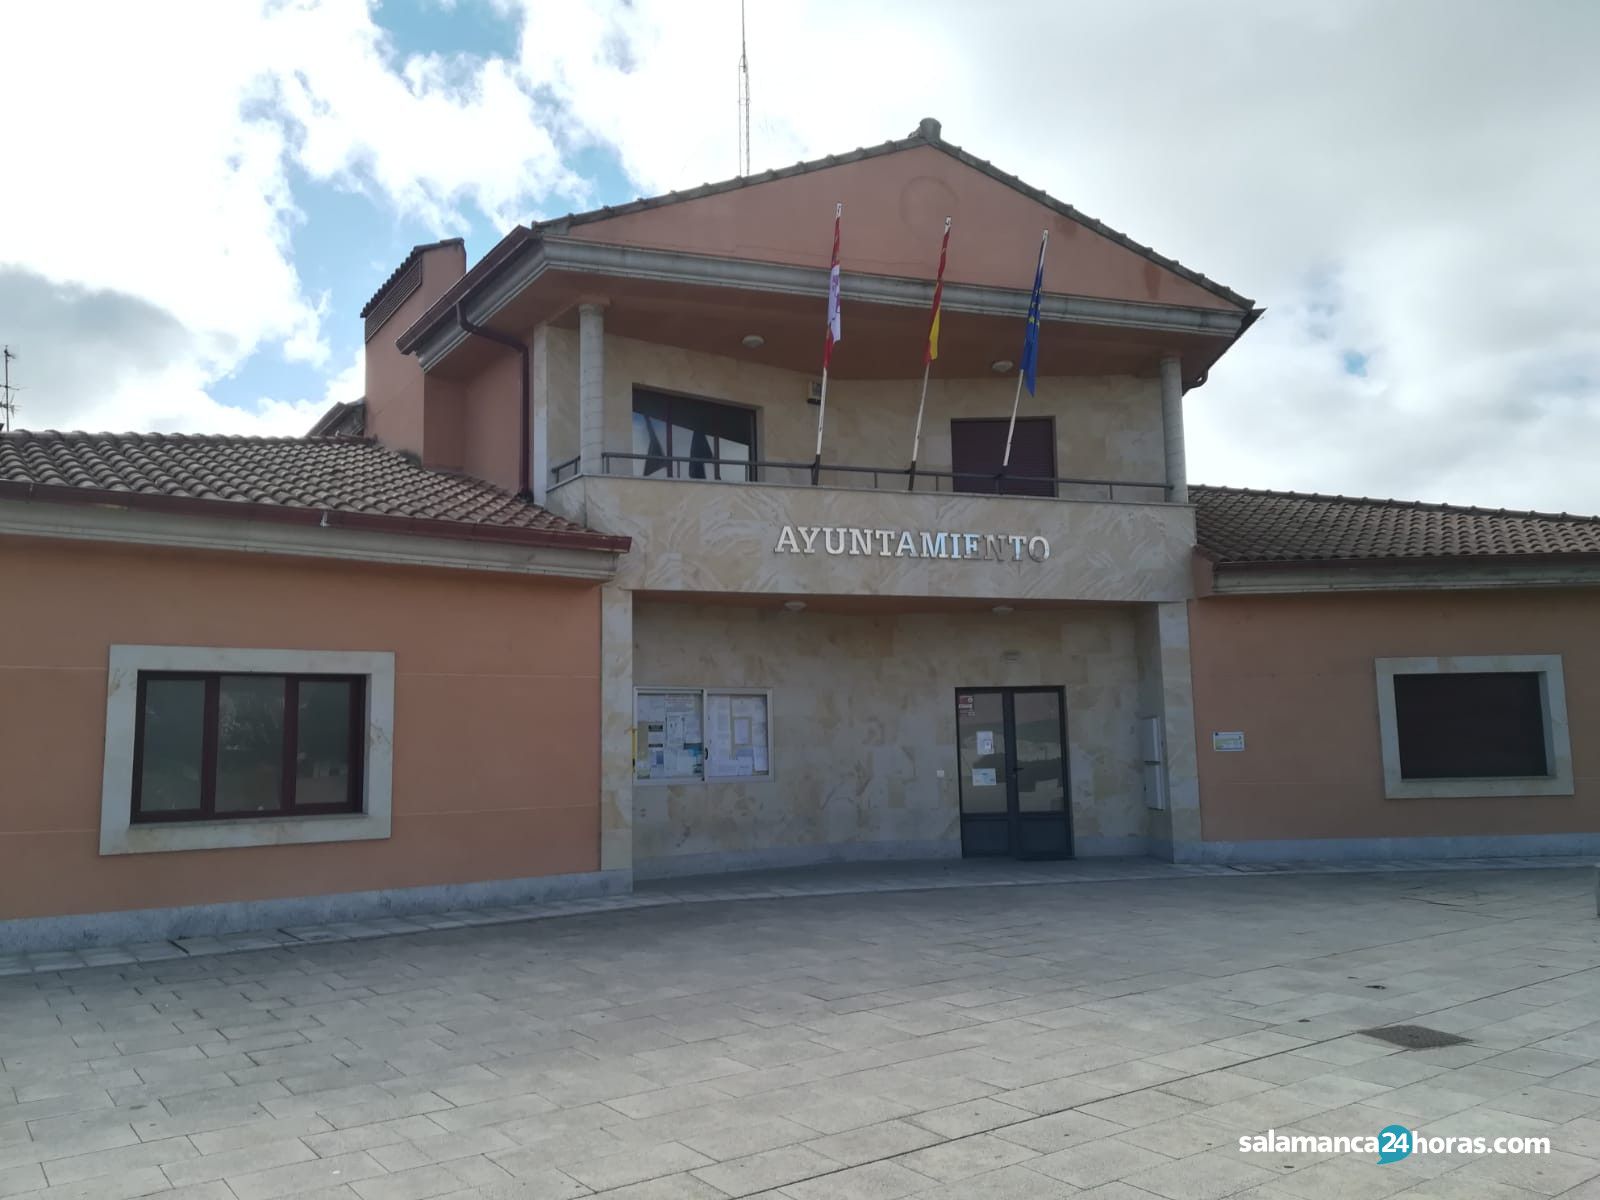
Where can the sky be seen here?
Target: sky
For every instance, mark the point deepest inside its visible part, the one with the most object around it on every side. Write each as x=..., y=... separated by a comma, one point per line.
x=201, y=194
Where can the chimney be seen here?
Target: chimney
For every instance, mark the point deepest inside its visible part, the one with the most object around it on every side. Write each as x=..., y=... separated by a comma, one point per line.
x=394, y=383
x=928, y=129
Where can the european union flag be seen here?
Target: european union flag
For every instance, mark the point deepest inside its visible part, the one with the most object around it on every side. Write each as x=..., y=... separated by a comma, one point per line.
x=1030, y=344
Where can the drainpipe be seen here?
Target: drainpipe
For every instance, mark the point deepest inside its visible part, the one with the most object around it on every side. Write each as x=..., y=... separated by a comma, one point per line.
x=524, y=491
x=1172, y=429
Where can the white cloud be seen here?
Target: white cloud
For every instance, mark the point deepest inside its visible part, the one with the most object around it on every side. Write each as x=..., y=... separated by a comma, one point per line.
x=148, y=155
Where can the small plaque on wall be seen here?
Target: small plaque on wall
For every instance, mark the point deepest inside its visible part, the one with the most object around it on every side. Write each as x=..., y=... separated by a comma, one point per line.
x=1232, y=742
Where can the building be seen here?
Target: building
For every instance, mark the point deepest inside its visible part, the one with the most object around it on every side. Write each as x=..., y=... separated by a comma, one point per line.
x=1380, y=679
x=249, y=683
x=859, y=665
x=570, y=598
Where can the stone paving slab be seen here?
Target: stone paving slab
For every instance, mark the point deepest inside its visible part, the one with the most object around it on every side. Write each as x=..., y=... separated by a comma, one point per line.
x=1112, y=1040
x=826, y=880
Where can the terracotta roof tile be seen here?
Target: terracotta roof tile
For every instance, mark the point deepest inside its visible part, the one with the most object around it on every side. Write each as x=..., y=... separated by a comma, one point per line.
x=1241, y=525
x=303, y=476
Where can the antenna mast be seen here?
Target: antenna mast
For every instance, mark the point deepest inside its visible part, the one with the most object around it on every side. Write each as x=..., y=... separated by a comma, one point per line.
x=744, y=99
x=8, y=406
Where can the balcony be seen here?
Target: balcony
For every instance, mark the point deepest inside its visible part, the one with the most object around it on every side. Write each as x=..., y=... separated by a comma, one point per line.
x=764, y=527
x=864, y=478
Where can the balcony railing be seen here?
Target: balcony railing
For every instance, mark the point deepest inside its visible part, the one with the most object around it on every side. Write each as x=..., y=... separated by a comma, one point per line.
x=839, y=475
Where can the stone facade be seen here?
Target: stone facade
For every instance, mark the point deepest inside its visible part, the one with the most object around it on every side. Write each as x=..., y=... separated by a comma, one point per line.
x=715, y=537
x=863, y=720
x=1106, y=427
x=863, y=680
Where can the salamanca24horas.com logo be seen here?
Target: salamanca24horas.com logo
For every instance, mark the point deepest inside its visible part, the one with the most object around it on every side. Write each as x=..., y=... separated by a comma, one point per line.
x=1390, y=1144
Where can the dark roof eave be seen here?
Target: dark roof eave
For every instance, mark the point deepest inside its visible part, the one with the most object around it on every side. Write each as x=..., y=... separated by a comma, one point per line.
x=461, y=531
x=1435, y=561
x=484, y=270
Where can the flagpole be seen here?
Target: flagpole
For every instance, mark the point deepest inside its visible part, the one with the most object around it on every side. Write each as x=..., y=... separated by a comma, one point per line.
x=916, y=437
x=1011, y=428
x=822, y=411
x=1044, y=244
x=927, y=361
x=828, y=341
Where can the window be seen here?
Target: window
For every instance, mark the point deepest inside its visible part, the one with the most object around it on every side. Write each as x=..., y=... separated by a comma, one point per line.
x=978, y=446
x=1484, y=725
x=680, y=437
x=214, y=746
x=684, y=735
x=189, y=727
x=1474, y=726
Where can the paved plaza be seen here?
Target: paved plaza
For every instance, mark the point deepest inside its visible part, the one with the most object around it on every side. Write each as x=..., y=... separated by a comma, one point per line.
x=1109, y=1039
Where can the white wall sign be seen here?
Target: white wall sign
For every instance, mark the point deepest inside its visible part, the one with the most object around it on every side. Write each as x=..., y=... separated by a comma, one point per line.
x=900, y=543
x=1229, y=742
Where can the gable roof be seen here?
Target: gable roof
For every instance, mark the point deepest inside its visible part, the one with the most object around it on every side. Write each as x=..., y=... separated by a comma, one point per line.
x=344, y=481
x=1244, y=526
x=927, y=133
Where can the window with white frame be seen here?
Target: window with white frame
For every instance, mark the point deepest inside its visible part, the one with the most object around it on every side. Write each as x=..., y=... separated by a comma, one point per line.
x=1474, y=726
x=684, y=735
x=212, y=747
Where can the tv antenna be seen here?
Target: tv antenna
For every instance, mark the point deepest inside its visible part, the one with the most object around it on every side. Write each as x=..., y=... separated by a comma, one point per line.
x=744, y=98
x=8, y=402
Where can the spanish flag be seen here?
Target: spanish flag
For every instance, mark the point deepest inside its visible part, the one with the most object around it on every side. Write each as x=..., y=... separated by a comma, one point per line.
x=931, y=350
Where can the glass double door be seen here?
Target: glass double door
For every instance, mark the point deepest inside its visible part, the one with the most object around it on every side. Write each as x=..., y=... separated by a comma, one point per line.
x=1012, y=766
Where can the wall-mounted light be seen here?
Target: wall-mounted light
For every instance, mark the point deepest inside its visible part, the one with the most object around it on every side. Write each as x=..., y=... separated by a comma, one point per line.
x=1001, y=366
x=752, y=341
x=794, y=606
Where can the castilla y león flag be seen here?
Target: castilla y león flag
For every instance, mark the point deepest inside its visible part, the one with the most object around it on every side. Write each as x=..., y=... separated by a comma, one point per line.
x=833, y=334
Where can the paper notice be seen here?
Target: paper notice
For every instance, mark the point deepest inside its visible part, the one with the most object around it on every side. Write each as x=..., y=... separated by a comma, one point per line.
x=985, y=741
x=982, y=776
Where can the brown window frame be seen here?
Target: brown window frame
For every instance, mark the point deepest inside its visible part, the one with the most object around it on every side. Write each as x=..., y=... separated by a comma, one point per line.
x=971, y=483
x=287, y=807
x=716, y=461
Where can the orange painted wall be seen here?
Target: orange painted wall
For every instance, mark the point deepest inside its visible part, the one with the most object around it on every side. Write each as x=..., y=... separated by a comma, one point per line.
x=894, y=211
x=497, y=699
x=492, y=421
x=1296, y=674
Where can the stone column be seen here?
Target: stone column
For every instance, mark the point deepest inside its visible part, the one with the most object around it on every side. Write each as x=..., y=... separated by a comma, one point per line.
x=1172, y=429
x=591, y=387
x=616, y=729
x=1177, y=691
x=539, y=426
x=1166, y=692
